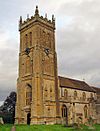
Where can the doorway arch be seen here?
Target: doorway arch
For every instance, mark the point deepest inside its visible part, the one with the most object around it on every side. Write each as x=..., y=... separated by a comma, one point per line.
x=28, y=118
x=64, y=114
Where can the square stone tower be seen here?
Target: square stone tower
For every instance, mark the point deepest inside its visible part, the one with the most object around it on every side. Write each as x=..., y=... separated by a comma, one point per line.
x=37, y=84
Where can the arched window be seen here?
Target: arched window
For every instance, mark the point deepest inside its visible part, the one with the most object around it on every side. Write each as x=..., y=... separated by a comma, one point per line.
x=84, y=95
x=64, y=111
x=75, y=95
x=28, y=94
x=85, y=111
x=65, y=94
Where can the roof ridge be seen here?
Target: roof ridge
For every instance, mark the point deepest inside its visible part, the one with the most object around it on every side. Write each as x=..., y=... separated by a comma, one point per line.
x=72, y=79
x=76, y=84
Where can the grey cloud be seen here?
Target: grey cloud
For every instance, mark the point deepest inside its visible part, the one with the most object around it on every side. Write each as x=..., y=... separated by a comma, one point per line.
x=4, y=94
x=78, y=41
x=8, y=66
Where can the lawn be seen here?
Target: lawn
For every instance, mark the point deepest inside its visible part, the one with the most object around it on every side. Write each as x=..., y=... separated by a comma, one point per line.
x=42, y=128
x=46, y=128
x=6, y=127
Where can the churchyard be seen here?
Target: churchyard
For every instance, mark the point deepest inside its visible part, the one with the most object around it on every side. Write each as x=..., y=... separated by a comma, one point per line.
x=8, y=127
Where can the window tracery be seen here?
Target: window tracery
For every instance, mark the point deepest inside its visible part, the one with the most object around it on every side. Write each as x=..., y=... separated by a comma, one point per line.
x=28, y=94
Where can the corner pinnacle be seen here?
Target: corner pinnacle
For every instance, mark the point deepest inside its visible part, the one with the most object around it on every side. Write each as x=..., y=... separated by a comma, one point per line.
x=36, y=11
x=20, y=21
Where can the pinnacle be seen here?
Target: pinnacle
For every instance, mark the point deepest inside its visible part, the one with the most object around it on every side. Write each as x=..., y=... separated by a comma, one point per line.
x=36, y=11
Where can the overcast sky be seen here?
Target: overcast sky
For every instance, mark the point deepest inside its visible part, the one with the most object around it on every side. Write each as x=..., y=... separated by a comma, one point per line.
x=77, y=38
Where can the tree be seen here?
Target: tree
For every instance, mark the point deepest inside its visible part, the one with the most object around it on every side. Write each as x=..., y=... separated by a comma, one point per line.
x=7, y=110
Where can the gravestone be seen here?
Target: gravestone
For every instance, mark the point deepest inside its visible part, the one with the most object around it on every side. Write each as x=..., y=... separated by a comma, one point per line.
x=1, y=121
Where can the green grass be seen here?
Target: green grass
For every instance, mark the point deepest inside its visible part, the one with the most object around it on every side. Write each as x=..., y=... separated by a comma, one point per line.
x=46, y=128
x=6, y=127
x=97, y=127
x=42, y=128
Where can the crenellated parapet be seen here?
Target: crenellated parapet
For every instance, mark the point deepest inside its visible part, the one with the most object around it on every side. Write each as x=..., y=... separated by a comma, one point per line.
x=36, y=18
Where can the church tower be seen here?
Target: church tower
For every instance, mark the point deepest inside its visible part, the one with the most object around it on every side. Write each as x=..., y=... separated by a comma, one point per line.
x=37, y=84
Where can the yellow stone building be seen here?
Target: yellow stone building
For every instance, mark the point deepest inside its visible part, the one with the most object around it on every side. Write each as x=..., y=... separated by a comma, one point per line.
x=43, y=97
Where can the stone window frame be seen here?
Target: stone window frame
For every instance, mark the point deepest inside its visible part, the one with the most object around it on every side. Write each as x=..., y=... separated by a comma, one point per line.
x=28, y=94
x=64, y=110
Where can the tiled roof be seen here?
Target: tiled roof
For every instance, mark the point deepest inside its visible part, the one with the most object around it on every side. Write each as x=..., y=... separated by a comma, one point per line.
x=75, y=84
x=96, y=89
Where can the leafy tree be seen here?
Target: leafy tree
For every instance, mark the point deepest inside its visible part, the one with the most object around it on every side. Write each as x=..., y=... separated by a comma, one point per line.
x=7, y=110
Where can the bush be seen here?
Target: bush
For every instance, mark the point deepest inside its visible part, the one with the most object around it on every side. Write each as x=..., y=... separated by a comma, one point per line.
x=7, y=118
